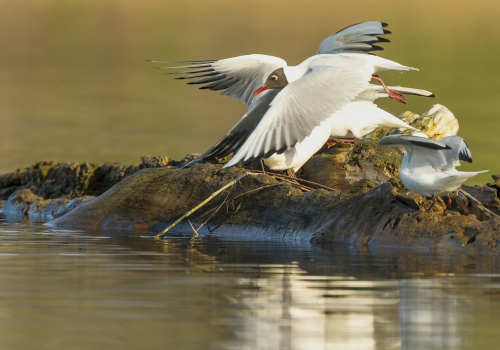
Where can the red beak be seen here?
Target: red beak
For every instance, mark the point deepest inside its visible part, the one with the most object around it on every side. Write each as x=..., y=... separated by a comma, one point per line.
x=259, y=90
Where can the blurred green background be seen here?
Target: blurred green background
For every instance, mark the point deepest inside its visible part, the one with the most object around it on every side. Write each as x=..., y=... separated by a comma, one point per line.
x=75, y=85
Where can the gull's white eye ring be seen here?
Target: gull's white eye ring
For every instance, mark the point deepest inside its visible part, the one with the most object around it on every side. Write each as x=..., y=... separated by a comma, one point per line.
x=274, y=77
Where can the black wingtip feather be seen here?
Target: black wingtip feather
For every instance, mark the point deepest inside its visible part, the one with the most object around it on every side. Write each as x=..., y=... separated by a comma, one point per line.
x=465, y=157
x=196, y=62
x=464, y=154
x=219, y=85
x=376, y=48
x=384, y=24
x=383, y=40
x=207, y=80
x=197, y=76
x=428, y=145
x=387, y=31
x=191, y=71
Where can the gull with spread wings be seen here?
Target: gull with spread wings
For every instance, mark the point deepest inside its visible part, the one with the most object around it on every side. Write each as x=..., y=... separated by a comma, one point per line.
x=306, y=102
x=293, y=110
x=241, y=76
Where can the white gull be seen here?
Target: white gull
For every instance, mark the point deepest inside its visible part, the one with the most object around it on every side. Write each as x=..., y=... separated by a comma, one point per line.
x=428, y=166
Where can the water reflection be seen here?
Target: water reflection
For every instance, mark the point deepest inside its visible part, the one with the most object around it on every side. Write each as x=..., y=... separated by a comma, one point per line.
x=85, y=290
x=429, y=315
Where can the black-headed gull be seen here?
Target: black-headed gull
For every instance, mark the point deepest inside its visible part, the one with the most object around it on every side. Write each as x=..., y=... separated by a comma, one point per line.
x=310, y=94
x=428, y=166
x=306, y=90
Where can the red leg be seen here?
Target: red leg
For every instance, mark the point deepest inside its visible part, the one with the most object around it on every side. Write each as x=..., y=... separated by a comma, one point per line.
x=445, y=211
x=397, y=96
x=428, y=210
x=432, y=204
x=333, y=141
x=350, y=140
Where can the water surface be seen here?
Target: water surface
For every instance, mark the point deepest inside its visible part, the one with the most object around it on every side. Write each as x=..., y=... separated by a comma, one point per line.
x=93, y=290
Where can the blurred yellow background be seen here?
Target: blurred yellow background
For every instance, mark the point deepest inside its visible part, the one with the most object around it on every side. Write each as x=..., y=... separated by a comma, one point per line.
x=75, y=85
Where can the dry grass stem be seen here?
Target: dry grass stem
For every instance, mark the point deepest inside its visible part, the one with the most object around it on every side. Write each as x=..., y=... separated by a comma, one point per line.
x=297, y=179
x=160, y=235
x=294, y=182
x=194, y=230
x=256, y=190
x=215, y=210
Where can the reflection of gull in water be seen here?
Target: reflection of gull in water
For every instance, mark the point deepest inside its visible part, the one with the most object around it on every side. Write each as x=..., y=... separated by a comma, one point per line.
x=428, y=166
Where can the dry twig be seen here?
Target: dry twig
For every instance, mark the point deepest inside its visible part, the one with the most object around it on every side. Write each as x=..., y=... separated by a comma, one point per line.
x=284, y=178
x=468, y=195
x=296, y=179
x=215, y=211
x=195, y=232
x=256, y=190
x=160, y=235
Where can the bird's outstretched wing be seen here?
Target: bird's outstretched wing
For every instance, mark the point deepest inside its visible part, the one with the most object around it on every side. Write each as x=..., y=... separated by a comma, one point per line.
x=239, y=76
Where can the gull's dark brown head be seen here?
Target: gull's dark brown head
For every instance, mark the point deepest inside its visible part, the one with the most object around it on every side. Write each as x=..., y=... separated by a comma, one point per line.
x=275, y=80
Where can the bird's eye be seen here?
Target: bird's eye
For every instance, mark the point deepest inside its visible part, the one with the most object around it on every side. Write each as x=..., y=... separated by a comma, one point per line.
x=274, y=77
